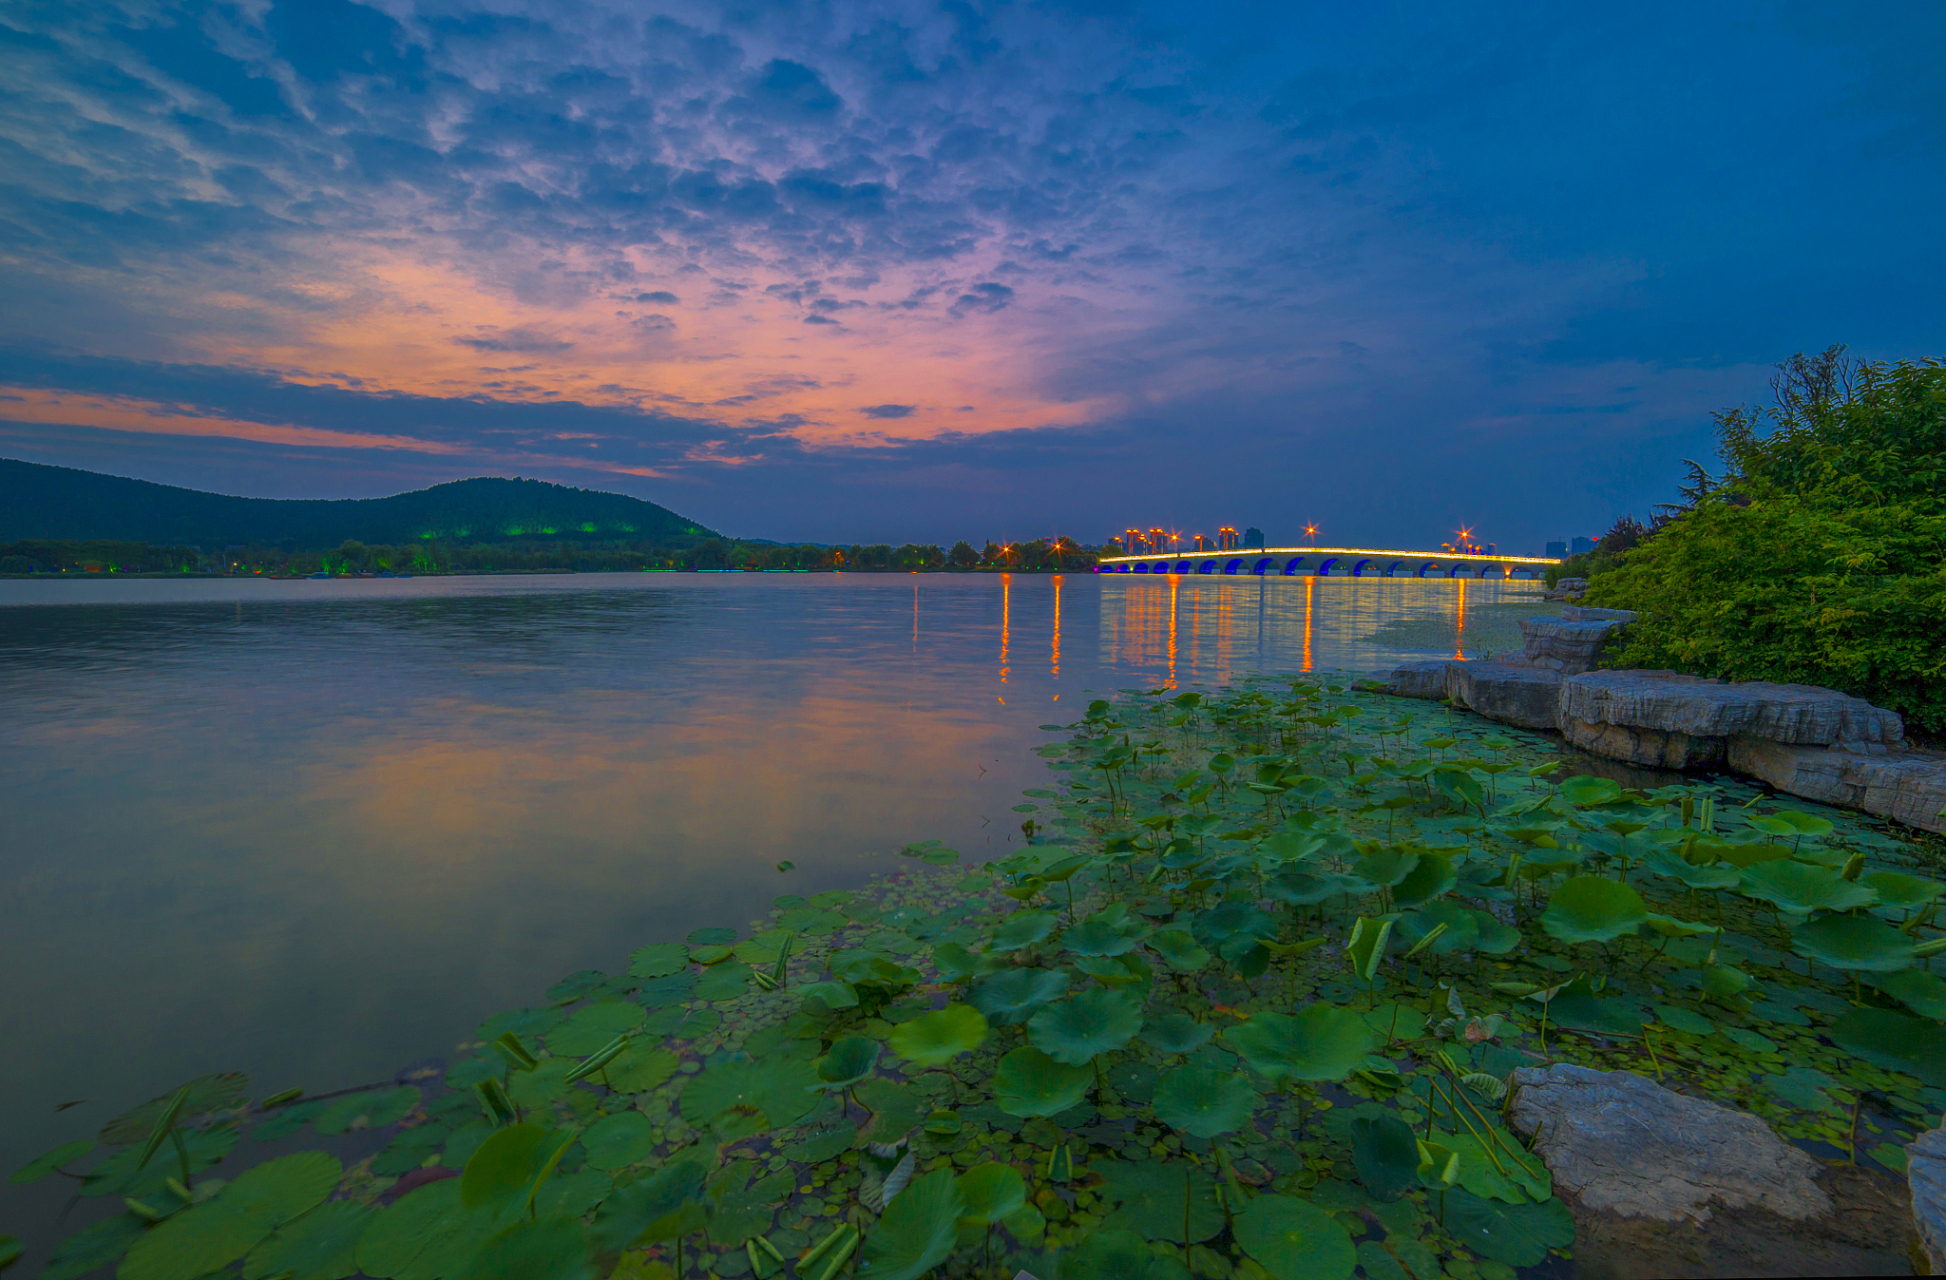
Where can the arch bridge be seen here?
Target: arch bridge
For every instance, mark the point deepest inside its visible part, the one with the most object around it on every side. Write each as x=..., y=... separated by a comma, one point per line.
x=1332, y=562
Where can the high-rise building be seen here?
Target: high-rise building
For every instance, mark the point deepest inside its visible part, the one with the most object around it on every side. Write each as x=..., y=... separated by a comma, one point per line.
x=1584, y=545
x=1253, y=537
x=1556, y=550
x=1226, y=538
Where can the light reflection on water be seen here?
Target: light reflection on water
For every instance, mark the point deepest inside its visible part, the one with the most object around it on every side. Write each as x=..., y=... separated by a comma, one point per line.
x=317, y=830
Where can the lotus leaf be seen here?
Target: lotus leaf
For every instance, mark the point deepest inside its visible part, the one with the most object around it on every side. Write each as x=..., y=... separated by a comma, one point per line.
x=1508, y=1173
x=47, y=1162
x=1118, y=1255
x=712, y=937
x=1896, y=889
x=1433, y=876
x=1307, y=888
x=1894, y=1040
x=594, y=1026
x=1178, y=948
x=576, y=985
x=1203, y=1101
x=936, y=1038
x=92, y=1247
x=673, y=989
x=847, y=1062
x=619, y=1140
x=206, y=1094
x=658, y=960
x=1156, y=1198
x=544, y=1249
x=1098, y=938
x=1587, y=793
x=1177, y=1033
x=427, y=1234
x=1853, y=942
x=1322, y=1042
x=1517, y=1234
x=1119, y=971
x=1387, y=867
x=917, y=1231
x=1742, y=856
x=991, y=1191
x=1919, y=991
x=1022, y=929
x=507, y=1163
x=1078, y=1028
x=744, y=1097
x=1667, y=862
x=1805, y=1087
x=212, y=1235
x=1791, y=822
x=572, y=1195
x=1800, y=889
x=1295, y=1240
x=735, y=1209
x=1593, y=909
x=662, y=1206
x=1386, y=1155
x=1030, y=1083
x=1011, y=997
x=724, y=982
x=321, y=1245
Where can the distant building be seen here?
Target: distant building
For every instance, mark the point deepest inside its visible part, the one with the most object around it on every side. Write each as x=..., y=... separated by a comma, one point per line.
x=1584, y=545
x=1556, y=550
x=1253, y=537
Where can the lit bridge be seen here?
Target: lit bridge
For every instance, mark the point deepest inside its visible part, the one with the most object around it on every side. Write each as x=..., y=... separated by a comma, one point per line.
x=1331, y=562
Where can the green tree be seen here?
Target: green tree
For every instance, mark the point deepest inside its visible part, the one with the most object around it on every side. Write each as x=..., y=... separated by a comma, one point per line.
x=963, y=556
x=1820, y=558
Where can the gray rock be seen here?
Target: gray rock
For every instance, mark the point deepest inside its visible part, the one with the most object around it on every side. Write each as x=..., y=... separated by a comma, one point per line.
x=1651, y=747
x=1618, y=1142
x=1696, y=707
x=1508, y=692
x=1906, y=786
x=1925, y=1170
x=1422, y=679
x=1562, y=645
x=1588, y=613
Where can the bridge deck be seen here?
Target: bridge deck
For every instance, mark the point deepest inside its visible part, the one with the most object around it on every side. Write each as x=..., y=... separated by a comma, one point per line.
x=1348, y=561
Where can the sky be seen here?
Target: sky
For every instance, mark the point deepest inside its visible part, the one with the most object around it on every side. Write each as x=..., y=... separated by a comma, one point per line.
x=893, y=272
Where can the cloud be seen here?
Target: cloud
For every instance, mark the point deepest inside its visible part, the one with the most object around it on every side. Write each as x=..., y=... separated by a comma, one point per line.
x=987, y=297
x=659, y=296
x=525, y=340
x=888, y=410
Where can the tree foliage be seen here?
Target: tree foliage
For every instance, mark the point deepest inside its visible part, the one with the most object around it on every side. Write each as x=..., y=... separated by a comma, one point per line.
x=1820, y=557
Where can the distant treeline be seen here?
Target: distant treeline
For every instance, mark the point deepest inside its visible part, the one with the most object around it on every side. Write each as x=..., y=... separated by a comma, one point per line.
x=42, y=556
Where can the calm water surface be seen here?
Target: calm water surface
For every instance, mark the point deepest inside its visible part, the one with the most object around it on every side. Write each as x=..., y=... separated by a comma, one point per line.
x=317, y=830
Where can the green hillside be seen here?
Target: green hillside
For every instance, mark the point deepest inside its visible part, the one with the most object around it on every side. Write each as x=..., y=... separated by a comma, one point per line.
x=42, y=502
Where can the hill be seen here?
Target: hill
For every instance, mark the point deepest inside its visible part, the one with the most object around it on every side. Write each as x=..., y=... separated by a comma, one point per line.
x=43, y=502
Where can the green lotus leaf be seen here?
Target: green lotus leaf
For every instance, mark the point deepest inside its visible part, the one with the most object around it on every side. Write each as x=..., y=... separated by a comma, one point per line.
x=1896, y=889
x=1177, y=1033
x=640, y=1069
x=1593, y=909
x=372, y=1110
x=745, y=1098
x=1178, y=947
x=1432, y=876
x=724, y=982
x=936, y=1038
x=672, y=989
x=712, y=937
x=47, y=1162
x=1462, y=927
x=738, y=1209
x=543, y=1249
x=1322, y=1042
x=1517, y=1234
x=1853, y=942
x=1118, y=1255
x=426, y=1235
x=594, y=1026
x=1742, y=856
x=1308, y=888
x=1669, y=863
x=1099, y=938
x=847, y=1062
x=1116, y=971
x=1023, y=929
x=1805, y=1087
x=658, y=960
x=831, y=995
x=506, y=1164
x=1791, y=822
x=93, y=1247
x=991, y=1191
x=1919, y=991
x=576, y=985
x=1029, y=1083
x=1012, y=996
x=321, y=1245
x=1582, y=1009
x=662, y=1206
x=1295, y=1240
x=1894, y=1040
x=1387, y=867
x=1203, y=1101
x=572, y=1195
x=1158, y=1200
x=1386, y=1155
x=1587, y=793
x=917, y=1232
x=619, y=1140
x=212, y=1235
x=206, y=1094
x=1800, y=888
x=1080, y=1027
x=1499, y=1175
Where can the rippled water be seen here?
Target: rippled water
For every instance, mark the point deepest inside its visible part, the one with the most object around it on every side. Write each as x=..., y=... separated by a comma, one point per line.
x=317, y=830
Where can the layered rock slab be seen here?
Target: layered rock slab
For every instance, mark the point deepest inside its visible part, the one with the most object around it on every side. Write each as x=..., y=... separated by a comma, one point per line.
x=1908, y=787
x=1698, y=707
x=1509, y=692
x=1620, y=1143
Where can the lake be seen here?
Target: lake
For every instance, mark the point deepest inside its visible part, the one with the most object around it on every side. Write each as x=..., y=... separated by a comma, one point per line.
x=316, y=831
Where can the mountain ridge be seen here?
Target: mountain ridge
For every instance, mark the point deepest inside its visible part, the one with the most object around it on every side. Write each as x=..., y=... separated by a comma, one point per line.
x=40, y=501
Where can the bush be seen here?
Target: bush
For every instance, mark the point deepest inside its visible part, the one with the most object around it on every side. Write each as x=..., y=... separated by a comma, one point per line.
x=1821, y=557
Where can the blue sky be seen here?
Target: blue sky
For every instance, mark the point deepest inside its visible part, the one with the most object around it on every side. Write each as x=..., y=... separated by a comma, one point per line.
x=897, y=272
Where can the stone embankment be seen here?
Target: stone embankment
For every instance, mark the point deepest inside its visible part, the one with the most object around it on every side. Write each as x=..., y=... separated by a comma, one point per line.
x=1813, y=743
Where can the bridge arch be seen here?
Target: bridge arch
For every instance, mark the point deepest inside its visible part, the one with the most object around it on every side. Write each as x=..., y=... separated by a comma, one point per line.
x=1263, y=564
x=1358, y=570
x=1207, y=566
x=1324, y=566
x=1232, y=565
x=1292, y=565
x=1182, y=566
x=1392, y=568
